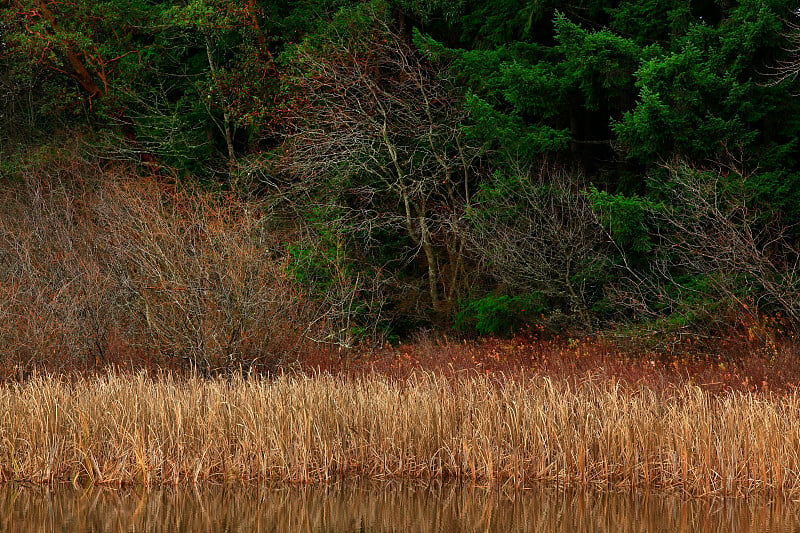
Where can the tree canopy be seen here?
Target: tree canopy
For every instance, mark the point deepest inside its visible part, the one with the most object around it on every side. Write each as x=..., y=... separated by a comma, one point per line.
x=456, y=154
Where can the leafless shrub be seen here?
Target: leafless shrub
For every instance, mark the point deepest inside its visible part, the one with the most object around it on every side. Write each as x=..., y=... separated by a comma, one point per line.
x=708, y=231
x=202, y=274
x=57, y=297
x=102, y=267
x=537, y=230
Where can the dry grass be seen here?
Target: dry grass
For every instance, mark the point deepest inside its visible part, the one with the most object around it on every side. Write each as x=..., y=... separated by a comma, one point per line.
x=734, y=363
x=118, y=429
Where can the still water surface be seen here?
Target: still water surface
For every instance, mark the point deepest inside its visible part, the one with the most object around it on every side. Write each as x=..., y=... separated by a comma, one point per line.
x=378, y=508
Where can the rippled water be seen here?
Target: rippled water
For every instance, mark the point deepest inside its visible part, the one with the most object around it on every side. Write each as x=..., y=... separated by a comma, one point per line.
x=377, y=508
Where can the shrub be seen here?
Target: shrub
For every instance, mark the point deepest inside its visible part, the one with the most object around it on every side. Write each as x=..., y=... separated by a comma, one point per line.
x=99, y=266
x=500, y=315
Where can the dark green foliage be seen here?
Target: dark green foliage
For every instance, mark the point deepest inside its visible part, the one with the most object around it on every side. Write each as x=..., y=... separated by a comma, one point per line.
x=501, y=315
x=625, y=218
x=342, y=274
x=695, y=302
x=623, y=86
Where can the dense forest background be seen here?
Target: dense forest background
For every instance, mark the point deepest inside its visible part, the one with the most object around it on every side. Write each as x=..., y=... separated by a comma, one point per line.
x=220, y=180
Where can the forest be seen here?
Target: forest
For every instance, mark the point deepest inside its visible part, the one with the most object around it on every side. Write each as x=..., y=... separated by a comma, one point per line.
x=220, y=183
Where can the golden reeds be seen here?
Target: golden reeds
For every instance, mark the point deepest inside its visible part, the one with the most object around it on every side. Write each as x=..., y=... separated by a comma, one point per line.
x=138, y=429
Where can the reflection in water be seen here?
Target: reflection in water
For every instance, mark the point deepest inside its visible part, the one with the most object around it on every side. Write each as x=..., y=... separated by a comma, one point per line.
x=377, y=508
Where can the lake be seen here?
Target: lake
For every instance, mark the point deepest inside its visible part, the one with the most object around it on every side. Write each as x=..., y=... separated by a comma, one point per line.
x=377, y=507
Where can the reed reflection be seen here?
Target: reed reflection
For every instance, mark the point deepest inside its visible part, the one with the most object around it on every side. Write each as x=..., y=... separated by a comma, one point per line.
x=372, y=507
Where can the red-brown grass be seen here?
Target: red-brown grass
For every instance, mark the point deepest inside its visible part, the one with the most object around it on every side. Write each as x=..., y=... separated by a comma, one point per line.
x=732, y=364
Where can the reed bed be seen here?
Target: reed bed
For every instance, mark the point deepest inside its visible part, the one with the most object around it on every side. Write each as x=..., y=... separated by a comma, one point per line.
x=523, y=430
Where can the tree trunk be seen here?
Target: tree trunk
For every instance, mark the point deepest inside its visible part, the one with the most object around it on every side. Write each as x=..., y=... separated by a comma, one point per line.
x=227, y=127
x=82, y=74
x=433, y=267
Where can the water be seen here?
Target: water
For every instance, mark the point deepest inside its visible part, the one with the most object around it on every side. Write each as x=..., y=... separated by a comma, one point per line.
x=392, y=507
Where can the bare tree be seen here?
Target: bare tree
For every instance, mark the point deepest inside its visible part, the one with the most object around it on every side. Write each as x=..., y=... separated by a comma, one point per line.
x=378, y=120
x=538, y=231
x=789, y=67
x=708, y=229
